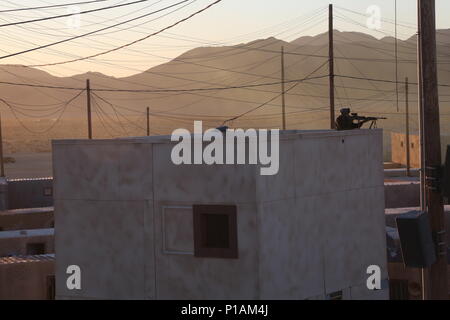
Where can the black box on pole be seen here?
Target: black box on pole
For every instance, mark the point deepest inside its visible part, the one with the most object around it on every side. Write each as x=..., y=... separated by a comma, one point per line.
x=445, y=183
x=416, y=240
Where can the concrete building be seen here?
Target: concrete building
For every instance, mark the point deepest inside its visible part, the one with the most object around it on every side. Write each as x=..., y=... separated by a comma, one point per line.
x=23, y=219
x=26, y=193
x=27, y=277
x=26, y=242
x=140, y=227
x=30, y=193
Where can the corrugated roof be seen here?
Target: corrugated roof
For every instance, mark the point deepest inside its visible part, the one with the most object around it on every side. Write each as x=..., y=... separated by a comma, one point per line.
x=27, y=259
x=30, y=179
x=27, y=211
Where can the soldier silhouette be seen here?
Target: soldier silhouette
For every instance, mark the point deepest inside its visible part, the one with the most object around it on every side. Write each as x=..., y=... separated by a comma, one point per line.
x=346, y=120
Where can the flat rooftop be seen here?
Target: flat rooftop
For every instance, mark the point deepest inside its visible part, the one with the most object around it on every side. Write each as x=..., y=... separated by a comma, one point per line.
x=26, y=233
x=284, y=134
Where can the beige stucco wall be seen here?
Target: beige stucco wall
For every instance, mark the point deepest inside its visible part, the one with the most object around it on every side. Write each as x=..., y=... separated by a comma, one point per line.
x=398, y=147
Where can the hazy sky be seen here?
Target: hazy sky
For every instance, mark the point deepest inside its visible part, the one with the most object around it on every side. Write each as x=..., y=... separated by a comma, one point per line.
x=230, y=22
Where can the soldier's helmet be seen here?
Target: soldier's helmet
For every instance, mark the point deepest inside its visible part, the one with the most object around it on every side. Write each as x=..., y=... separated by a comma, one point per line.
x=345, y=111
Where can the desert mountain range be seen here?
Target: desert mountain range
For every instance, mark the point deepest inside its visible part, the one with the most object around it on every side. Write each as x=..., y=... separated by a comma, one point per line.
x=250, y=63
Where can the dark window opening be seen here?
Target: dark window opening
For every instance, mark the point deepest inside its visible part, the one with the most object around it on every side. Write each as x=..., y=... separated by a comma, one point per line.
x=338, y=295
x=215, y=231
x=401, y=144
x=35, y=248
x=51, y=287
x=48, y=192
x=412, y=145
x=398, y=289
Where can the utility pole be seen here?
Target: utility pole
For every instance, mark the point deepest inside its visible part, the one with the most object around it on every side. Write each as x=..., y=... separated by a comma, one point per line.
x=420, y=113
x=331, y=64
x=283, y=101
x=437, y=273
x=423, y=207
x=408, y=154
x=89, y=116
x=396, y=55
x=148, y=121
x=2, y=160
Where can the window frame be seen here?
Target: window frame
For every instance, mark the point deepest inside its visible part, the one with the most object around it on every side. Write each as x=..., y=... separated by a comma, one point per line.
x=47, y=191
x=200, y=250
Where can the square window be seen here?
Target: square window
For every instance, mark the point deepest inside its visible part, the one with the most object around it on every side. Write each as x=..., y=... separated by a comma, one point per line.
x=35, y=248
x=215, y=231
x=48, y=191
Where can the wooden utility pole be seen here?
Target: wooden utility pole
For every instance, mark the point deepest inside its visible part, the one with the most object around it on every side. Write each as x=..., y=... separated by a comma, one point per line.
x=331, y=65
x=437, y=273
x=396, y=55
x=423, y=207
x=2, y=160
x=408, y=150
x=420, y=113
x=148, y=121
x=283, y=98
x=89, y=116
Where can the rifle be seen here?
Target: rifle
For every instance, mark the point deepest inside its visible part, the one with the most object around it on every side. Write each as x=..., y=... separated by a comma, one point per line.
x=361, y=120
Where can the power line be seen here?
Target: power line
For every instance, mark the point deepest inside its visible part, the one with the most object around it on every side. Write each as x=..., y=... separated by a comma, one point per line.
x=164, y=90
x=101, y=120
x=384, y=80
x=203, y=41
x=119, y=47
x=39, y=86
x=277, y=96
x=89, y=33
x=109, y=117
x=71, y=14
x=52, y=6
x=64, y=108
x=183, y=116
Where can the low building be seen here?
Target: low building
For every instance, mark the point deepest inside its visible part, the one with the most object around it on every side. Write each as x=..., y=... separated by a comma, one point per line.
x=29, y=193
x=23, y=219
x=26, y=242
x=27, y=277
x=140, y=227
